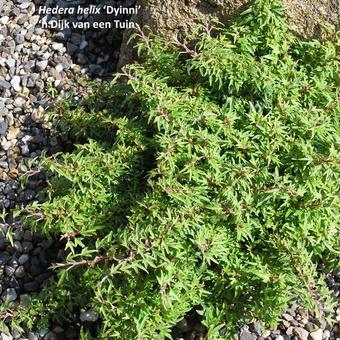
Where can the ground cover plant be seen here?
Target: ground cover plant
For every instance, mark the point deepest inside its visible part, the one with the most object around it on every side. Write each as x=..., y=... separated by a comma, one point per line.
x=208, y=180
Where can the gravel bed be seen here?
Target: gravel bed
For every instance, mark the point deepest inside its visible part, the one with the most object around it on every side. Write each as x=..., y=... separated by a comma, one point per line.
x=36, y=66
x=297, y=324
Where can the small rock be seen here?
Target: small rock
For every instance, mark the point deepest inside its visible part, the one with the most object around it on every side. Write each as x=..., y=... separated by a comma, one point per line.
x=289, y=331
x=303, y=312
x=15, y=82
x=311, y=327
x=19, y=102
x=20, y=272
x=89, y=315
x=24, y=299
x=58, y=330
x=18, y=234
x=301, y=333
x=57, y=46
x=336, y=330
x=3, y=127
x=82, y=59
x=19, y=39
x=266, y=334
x=9, y=295
x=71, y=48
x=32, y=336
x=34, y=19
x=317, y=335
x=28, y=235
x=326, y=334
x=50, y=336
x=83, y=44
x=41, y=65
x=303, y=321
x=4, y=257
x=255, y=327
x=55, y=74
x=32, y=79
x=9, y=271
x=59, y=68
x=23, y=259
x=246, y=335
x=6, y=336
x=321, y=322
x=4, y=20
x=38, y=115
x=4, y=85
x=279, y=337
x=13, y=133
x=43, y=332
x=10, y=62
x=24, y=5
x=27, y=246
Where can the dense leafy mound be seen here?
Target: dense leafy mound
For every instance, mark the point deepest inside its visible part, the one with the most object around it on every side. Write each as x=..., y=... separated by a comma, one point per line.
x=211, y=181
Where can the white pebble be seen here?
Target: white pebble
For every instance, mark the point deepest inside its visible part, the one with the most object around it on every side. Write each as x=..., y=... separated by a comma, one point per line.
x=10, y=63
x=57, y=46
x=317, y=335
x=4, y=20
x=59, y=68
x=15, y=82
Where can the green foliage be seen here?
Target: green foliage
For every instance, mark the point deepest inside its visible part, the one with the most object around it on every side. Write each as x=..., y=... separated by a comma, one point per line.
x=210, y=181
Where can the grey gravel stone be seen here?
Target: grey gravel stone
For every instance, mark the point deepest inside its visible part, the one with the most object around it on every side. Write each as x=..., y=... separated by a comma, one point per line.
x=41, y=65
x=19, y=102
x=20, y=272
x=301, y=333
x=24, y=299
x=9, y=295
x=3, y=127
x=23, y=259
x=27, y=246
x=4, y=84
x=9, y=270
x=5, y=336
x=32, y=79
x=32, y=336
x=4, y=257
x=246, y=335
x=43, y=332
x=71, y=48
x=89, y=315
x=287, y=317
x=50, y=336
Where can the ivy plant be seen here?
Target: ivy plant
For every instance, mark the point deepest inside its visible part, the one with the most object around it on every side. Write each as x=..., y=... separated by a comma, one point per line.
x=206, y=178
